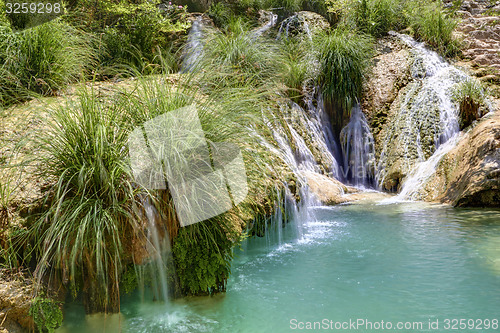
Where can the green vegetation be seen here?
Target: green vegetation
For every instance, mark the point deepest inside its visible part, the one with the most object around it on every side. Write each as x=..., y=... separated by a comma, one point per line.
x=42, y=60
x=344, y=60
x=46, y=314
x=240, y=88
x=427, y=20
x=432, y=25
x=470, y=95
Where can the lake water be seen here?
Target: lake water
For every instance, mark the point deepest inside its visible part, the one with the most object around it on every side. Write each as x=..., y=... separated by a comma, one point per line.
x=411, y=264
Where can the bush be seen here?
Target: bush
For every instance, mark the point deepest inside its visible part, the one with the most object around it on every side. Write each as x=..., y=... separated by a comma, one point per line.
x=90, y=200
x=344, y=59
x=430, y=24
x=293, y=57
x=42, y=60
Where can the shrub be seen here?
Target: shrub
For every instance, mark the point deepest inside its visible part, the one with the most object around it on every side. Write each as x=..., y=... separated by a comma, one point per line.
x=294, y=56
x=237, y=56
x=344, y=59
x=90, y=200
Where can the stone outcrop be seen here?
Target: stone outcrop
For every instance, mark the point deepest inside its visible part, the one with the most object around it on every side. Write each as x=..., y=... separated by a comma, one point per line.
x=479, y=28
x=16, y=294
x=469, y=175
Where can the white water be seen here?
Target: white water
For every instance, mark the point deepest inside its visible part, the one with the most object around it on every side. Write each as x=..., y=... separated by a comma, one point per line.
x=358, y=149
x=294, y=21
x=436, y=80
x=273, y=18
x=194, y=47
x=157, y=248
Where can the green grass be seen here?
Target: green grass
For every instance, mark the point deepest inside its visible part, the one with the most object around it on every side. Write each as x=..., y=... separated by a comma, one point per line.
x=94, y=202
x=295, y=56
x=470, y=95
x=91, y=198
x=430, y=24
x=344, y=59
x=42, y=60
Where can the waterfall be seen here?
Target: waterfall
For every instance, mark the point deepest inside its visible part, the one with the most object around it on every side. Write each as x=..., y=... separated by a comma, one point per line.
x=426, y=125
x=358, y=149
x=158, y=249
x=273, y=18
x=194, y=47
x=295, y=22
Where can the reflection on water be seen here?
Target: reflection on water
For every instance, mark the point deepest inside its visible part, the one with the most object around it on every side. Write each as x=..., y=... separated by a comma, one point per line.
x=400, y=262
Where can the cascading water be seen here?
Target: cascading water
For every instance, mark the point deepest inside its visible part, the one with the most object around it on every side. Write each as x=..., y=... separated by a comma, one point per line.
x=296, y=23
x=273, y=18
x=426, y=125
x=194, y=46
x=158, y=248
x=358, y=149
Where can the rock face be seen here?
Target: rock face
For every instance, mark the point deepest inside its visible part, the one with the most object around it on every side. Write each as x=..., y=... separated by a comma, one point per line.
x=479, y=28
x=469, y=175
x=15, y=301
x=390, y=74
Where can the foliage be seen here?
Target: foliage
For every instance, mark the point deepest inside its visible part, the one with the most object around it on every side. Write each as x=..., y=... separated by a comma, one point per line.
x=46, y=314
x=430, y=24
x=42, y=60
x=344, y=60
x=377, y=17
x=294, y=57
x=91, y=199
x=470, y=96
x=203, y=253
x=139, y=35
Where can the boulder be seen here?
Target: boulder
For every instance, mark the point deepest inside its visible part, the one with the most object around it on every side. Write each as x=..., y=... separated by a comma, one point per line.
x=304, y=23
x=328, y=190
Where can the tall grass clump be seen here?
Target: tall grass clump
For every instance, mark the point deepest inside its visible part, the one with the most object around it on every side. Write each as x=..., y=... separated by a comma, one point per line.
x=295, y=58
x=470, y=96
x=203, y=251
x=237, y=56
x=377, y=17
x=42, y=60
x=344, y=59
x=90, y=204
x=430, y=24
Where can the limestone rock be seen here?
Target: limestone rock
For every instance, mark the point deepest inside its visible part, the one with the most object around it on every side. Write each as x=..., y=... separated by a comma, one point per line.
x=16, y=295
x=328, y=190
x=469, y=175
x=304, y=23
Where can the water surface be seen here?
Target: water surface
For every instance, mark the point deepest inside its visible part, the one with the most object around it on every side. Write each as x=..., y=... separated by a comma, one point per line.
x=408, y=262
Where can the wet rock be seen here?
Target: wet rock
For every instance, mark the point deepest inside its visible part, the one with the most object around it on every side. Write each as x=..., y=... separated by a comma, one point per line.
x=469, y=175
x=304, y=23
